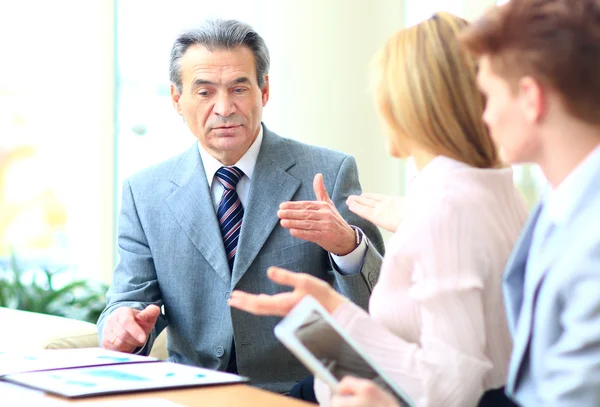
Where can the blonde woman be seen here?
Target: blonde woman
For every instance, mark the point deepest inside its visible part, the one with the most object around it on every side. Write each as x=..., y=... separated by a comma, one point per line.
x=437, y=324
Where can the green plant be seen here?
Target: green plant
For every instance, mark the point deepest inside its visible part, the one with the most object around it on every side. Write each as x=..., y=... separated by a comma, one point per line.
x=36, y=290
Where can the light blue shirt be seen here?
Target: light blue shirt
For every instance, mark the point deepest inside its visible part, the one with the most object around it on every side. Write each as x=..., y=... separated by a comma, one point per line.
x=559, y=209
x=559, y=205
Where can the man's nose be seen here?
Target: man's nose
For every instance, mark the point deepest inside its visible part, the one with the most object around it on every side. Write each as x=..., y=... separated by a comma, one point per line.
x=224, y=105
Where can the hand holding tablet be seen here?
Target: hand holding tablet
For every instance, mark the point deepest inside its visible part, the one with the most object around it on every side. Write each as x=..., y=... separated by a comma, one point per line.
x=314, y=337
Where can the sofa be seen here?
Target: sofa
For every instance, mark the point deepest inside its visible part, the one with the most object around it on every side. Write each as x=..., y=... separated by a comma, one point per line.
x=24, y=331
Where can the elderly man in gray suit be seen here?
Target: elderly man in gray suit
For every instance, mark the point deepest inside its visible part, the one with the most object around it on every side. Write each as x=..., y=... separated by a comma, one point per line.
x=213, y=219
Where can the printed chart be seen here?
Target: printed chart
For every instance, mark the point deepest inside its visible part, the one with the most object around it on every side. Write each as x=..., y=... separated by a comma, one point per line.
x=87, y=381
x=46, y=359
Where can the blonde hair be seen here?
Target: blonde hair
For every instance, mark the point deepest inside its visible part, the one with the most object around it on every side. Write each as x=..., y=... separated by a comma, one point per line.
x=426, y=91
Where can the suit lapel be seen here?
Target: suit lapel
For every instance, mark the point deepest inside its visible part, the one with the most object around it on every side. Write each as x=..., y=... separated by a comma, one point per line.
x=514, y=276
x=517, y=310
x=270, y=185
x=192, y=206
x=538, y=268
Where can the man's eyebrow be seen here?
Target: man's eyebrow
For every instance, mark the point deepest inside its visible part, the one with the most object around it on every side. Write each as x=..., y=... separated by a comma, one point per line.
x=200, y=82
x=241, y=79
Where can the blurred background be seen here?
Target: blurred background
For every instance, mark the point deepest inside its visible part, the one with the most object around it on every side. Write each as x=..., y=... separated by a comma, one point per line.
x=84, y=103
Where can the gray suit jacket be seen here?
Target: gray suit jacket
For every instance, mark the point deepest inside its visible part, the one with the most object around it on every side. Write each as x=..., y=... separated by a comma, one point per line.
x=172, y=254
x=556, y=326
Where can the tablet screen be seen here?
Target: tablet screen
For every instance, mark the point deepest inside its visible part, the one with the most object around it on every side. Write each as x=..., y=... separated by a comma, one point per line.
x=336, y=354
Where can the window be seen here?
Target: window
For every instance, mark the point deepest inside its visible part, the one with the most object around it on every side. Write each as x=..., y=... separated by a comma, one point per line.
x=56, y=134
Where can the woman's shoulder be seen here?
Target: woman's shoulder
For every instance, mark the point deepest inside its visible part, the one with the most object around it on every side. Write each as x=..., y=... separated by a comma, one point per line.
x=466, y=194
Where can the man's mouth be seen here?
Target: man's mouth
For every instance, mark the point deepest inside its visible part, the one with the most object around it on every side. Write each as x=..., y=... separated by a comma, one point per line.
x=227, y=127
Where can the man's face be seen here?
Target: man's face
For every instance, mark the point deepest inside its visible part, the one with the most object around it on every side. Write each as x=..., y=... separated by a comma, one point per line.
x=220, y=100
x=508, y=115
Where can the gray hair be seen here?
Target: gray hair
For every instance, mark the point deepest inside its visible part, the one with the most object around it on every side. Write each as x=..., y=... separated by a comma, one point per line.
x=220, y=35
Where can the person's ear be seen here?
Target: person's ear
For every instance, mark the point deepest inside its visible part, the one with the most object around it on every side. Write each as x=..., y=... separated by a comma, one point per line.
x=265, y=91
x=175, y=97
x=532, y=99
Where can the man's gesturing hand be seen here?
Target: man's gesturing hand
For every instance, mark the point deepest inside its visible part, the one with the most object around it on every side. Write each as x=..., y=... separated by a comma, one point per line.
x=127, y=329
x=318, y=221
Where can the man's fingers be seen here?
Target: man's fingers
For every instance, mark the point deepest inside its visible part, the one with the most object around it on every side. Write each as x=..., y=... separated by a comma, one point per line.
x=137, y=333
x=149, y=315
x=125, y=325
x=304, y=224
x=129, y=329
x=128, y=334
x=301, y=205
x=301, y=214
x=319, y=188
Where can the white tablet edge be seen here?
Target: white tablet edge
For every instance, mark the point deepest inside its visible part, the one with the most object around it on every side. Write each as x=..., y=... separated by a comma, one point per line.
x=285, y=331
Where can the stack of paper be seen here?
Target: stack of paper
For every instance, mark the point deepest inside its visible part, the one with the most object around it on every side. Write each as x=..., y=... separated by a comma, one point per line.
x=46, y=359
x=94, y=371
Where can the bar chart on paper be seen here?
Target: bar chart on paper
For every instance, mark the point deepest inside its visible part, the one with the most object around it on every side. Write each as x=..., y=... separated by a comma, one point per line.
x=122, y=378
x=46, y=359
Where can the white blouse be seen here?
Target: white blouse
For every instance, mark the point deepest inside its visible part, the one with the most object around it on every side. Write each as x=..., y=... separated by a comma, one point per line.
x=437, y=325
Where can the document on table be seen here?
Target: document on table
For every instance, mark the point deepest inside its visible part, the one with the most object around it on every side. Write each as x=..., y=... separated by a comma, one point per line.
x=123, y=378
x=143, y=402
x=46, y=359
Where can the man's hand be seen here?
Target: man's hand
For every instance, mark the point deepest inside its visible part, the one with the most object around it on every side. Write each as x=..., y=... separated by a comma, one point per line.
x=281, y=304
x=383, y=210
x=353, y=392
x=127, y=329
x=318, y=221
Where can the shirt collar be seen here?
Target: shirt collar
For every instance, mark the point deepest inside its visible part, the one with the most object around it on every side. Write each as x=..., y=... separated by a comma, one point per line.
x=246, y=163
x=561, y=202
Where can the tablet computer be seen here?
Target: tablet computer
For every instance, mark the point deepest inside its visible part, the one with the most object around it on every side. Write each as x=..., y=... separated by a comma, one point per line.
x=317, y=340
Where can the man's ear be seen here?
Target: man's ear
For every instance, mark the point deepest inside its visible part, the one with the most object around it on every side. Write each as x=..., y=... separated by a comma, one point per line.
x=175, y=96
x=532, y=99
x=265, y=91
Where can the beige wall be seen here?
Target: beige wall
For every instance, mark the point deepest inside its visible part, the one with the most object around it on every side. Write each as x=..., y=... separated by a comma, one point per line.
x=319, y=79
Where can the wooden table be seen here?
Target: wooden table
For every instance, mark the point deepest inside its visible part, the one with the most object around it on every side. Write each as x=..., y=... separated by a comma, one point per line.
x=237, y=395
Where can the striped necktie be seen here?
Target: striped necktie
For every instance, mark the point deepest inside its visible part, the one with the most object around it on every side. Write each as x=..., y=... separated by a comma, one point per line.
x=230, y=211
